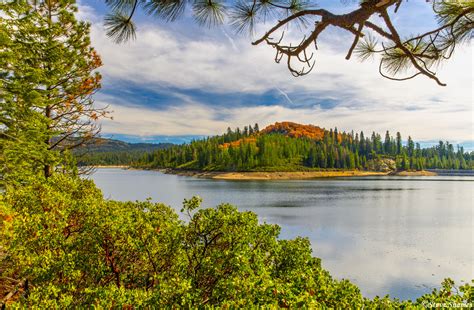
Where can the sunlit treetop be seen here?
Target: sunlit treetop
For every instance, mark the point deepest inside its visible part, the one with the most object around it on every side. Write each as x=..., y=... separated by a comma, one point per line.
x=370, y=25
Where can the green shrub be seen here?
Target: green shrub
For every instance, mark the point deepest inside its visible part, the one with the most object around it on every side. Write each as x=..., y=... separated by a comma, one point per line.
x=73, y=249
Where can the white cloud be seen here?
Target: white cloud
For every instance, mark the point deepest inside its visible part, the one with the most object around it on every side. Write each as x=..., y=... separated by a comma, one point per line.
x=161, y=57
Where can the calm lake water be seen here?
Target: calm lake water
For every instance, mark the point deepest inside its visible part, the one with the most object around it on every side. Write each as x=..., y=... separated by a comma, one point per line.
x=388, y=235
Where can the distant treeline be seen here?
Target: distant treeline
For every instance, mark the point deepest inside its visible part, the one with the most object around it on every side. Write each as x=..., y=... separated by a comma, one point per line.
x=250, y=149
x=110, y=158
x=105, y=152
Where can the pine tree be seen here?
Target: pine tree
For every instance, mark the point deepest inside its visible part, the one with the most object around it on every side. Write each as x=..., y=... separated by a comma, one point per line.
x=386, y=145
x=48, y=69
x=399, y=143
x=362, y=144
x=410, y=147
x=418, y=150
x=256, y=129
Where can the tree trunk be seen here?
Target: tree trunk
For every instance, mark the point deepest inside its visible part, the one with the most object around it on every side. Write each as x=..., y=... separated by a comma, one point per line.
x=47, y=167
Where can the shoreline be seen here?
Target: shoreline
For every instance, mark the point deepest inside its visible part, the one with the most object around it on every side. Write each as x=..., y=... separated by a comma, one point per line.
x=294, y=175
x=422, y=173
x=277, y=175
x=110, y=166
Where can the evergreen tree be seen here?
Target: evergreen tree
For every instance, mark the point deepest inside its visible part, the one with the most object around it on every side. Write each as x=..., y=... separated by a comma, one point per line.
x=386, y=145
x=418, y=150
x=246, y=131
x=48, y=69
x=399, y=143
x=362, y=148
x=410, y=147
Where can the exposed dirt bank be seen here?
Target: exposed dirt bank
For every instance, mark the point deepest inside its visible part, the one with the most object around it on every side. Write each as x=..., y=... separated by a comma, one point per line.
x=297, y=175
x=112, y=166
x=422, y=173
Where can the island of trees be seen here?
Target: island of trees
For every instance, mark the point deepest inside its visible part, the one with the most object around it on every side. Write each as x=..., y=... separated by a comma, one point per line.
x=288, y=146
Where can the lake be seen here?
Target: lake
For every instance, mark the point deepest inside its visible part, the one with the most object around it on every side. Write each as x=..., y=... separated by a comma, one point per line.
x=389, y=235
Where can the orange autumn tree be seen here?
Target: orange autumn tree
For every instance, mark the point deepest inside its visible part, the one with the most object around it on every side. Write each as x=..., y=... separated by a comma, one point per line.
x=237, y=143
x=295, y=130
x=49, y=71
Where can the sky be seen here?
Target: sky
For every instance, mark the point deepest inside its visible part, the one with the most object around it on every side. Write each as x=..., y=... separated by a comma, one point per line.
x=178, y=81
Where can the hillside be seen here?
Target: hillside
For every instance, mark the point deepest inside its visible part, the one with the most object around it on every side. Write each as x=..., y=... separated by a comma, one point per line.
x=101, y=151
x=288, y=146
x=290, y=129
x=295, y=130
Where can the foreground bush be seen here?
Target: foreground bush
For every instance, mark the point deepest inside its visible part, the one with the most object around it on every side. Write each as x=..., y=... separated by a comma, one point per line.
x=69, y=247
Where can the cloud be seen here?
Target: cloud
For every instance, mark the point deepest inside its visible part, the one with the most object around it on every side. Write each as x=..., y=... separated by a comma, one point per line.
x=195, y=68
x=201, y=119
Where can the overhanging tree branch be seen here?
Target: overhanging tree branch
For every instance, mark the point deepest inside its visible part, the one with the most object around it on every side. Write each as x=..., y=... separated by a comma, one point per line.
x=419, y=53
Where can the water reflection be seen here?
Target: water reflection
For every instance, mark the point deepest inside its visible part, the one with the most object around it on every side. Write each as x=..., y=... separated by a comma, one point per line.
x=400, y=236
